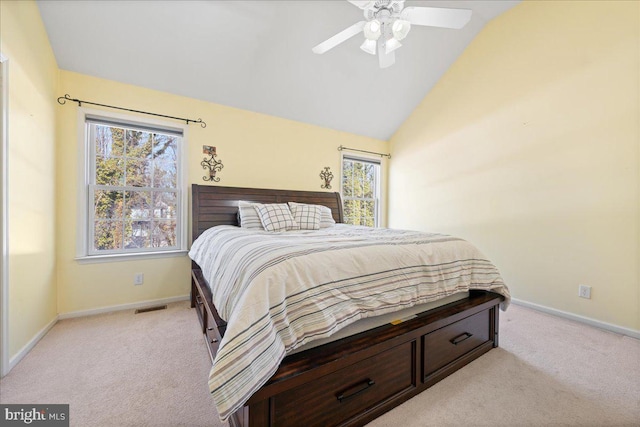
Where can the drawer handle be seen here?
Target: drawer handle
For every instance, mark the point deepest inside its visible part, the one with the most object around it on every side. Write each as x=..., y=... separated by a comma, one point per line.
x=356, y=390
x=209, y=328
x=214, y=340
x=462, y=337
x=198, y=299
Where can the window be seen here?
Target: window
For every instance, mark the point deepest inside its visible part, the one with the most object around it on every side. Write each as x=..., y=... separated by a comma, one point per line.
x=134, y=195
x=361, y=190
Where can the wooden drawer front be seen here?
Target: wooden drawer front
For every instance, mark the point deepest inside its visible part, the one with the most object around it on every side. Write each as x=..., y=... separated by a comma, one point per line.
x=445, y=345
x=348, y=392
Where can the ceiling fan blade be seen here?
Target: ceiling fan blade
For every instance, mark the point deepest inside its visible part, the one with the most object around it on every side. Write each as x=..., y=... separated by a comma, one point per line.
x=385, y=59
x=342, y=36
x=437, y=16
x=362, y=4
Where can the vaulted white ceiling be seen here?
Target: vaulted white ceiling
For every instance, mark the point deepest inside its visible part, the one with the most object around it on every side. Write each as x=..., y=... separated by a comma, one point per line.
x=256, y=55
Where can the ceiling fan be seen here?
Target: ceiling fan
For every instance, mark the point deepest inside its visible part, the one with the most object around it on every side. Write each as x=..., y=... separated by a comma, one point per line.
x=388, y=21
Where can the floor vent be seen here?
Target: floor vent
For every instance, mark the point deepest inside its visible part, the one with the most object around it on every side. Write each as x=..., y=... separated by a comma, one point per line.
x=148, y=309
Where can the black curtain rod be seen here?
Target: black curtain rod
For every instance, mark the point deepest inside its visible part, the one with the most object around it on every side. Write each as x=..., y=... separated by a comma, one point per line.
x=340, y=148
x=63, y=100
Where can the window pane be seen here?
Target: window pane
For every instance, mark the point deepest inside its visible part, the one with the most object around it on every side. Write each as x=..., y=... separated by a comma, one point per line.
x=165, y=175
x=348, y=210
x=138, y=173
x=107, y=235
x=164, y=233
x=109, y=141
x=107, y=204
x=356, y=211
x=137, y=234
x=139, y=144
x=347, y=179
x=165, y=148
x=165, y=205
x=109, y=171
x=369, y=181
x=138, y=205
x=357, y=180
x=368, y=213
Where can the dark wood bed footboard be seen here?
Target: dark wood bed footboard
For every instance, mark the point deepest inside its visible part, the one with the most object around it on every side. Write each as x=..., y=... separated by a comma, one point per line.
x=356, y=379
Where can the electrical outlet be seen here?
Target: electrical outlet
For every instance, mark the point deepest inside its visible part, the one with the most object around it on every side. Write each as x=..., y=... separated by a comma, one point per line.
x=584, y=291
x=138, y=279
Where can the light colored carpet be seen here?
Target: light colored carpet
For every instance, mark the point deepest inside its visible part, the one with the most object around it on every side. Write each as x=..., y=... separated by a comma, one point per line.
x=548, y=371
x=151, y=369
x=120, y=369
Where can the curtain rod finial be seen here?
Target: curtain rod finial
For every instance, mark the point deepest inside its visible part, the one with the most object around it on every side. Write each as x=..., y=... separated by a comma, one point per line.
x=63, y=99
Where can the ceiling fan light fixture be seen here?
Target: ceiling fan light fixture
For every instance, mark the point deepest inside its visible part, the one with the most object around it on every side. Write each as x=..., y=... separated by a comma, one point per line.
x=391, y=45
x=373, y=30
x=400, y=28
x=369, y=46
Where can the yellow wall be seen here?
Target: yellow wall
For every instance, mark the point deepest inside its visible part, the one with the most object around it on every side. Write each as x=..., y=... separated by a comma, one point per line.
x=529, y=148
x=31, y=155
x=257, y=151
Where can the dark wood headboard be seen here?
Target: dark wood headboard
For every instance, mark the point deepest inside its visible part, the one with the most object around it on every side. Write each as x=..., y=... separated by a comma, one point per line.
x=212, y=205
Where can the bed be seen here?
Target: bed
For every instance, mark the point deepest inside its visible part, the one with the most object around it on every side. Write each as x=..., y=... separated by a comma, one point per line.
x=347, y=381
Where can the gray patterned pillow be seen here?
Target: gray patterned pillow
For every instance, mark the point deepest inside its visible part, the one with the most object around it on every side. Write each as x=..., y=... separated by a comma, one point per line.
x=307, y=216
x=276, y=217
x=326, y=217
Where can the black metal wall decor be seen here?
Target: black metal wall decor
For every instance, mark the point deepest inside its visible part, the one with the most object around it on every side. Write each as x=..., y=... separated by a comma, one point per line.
x=211, y=163
x=326, y=176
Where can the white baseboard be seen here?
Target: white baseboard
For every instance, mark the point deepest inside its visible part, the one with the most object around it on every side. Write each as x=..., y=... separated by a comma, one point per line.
x=130, y=306
x=582, y=319
x=28, y=346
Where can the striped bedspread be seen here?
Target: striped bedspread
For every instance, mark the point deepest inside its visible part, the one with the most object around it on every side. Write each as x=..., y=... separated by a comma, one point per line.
x=278, y=291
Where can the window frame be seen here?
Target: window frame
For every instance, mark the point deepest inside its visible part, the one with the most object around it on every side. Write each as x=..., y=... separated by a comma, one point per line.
x=86, y=168
x=378, y=184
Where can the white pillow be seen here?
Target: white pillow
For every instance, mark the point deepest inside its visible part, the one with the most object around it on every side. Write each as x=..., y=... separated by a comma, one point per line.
x=326, y=217
x=276, y=217
x=307, y=216
x=248, y=216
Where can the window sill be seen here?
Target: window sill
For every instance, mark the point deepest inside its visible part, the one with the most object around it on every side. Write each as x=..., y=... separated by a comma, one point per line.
x=93, y=259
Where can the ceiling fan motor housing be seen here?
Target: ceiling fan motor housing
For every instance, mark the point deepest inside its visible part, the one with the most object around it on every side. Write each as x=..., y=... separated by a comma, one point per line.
x=383, y=10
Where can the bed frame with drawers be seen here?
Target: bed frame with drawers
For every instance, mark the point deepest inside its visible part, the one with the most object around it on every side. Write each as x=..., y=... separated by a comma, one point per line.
x=351, y=381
